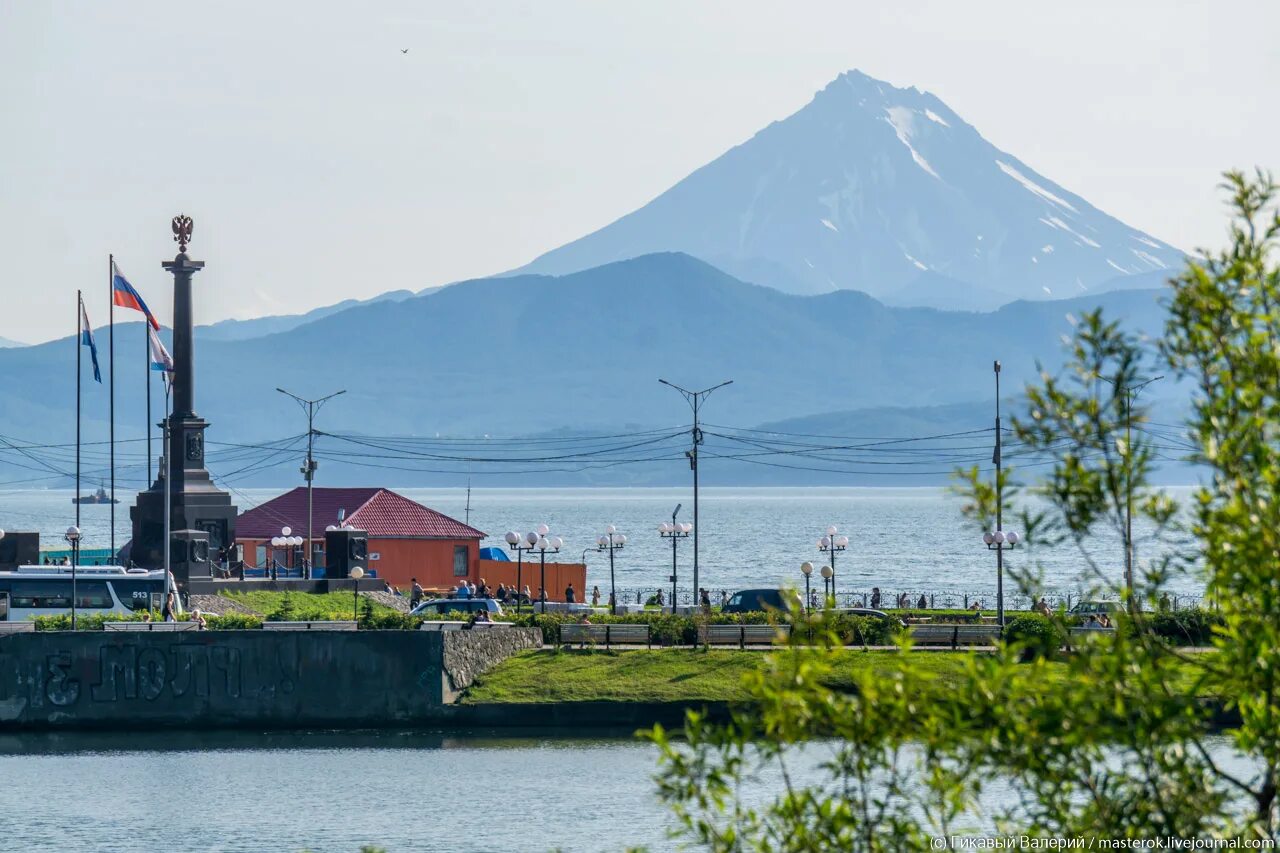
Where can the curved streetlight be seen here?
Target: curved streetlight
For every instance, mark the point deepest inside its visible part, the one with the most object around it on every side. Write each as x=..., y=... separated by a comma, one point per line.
x=831, y=544
x=611, y=541
x=73, y=539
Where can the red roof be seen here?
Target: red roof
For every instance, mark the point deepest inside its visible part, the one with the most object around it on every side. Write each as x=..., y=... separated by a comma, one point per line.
x=380, y=513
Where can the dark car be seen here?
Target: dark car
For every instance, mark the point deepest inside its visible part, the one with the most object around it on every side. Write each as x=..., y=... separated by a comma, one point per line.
x=758, y=601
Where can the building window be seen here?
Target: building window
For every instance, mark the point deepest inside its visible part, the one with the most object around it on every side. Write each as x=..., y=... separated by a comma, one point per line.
x=459, y=561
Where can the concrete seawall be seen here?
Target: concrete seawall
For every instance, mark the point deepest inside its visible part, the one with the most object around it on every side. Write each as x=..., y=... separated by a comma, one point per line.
x=242, y=679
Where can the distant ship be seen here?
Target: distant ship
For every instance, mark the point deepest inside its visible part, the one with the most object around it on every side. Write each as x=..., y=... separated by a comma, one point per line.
x=98, y=497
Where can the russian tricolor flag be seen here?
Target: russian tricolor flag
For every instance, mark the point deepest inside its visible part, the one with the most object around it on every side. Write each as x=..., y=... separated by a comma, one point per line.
x=124, y=295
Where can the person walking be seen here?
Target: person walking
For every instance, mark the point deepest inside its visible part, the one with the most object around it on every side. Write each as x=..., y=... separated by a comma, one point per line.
x=875, y=598
x=170, y=608
x=415, y=594
x=704, y=599
x=923, y=603
x=570, y=597
x=595, y=596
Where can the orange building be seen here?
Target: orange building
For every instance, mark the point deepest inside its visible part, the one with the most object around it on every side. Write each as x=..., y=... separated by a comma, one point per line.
x=406, y=540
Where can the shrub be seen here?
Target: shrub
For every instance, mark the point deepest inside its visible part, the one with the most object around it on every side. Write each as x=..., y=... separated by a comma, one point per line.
x=234, y=622
x=1038, y=636
x=1186, y=627
x=84, y=621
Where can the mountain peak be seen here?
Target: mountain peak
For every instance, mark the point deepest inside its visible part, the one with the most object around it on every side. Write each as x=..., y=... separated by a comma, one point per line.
x=883, y=189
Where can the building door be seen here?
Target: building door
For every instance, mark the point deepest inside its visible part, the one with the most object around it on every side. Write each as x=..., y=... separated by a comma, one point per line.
x=459, y=561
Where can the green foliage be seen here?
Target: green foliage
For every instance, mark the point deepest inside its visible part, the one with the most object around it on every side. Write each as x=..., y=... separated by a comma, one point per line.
x=234, y=622
x=1110, y=742
x=1191, y=627
x=84, y=621
x=1035, y=635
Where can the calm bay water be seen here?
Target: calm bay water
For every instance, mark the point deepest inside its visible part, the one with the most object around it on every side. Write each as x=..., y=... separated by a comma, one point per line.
x=912, y=539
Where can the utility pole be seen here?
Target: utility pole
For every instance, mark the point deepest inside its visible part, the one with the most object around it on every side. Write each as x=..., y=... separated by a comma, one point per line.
x=308, y=469
x=1130, y=392
x=695, y=399
x=999, y=505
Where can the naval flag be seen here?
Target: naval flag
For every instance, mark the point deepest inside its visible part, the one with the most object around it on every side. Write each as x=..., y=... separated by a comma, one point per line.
x=86, y=339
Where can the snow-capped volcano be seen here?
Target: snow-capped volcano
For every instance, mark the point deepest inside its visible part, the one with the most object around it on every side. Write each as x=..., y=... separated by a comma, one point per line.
x=884, y=190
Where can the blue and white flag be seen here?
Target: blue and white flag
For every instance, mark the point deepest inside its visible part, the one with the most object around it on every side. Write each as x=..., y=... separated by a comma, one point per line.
x=86, y=339
x=160, y=358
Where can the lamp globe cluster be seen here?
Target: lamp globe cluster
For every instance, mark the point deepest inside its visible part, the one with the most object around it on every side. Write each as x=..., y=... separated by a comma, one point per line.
x=286, y=539
x=668, y=528
x=1001, y=537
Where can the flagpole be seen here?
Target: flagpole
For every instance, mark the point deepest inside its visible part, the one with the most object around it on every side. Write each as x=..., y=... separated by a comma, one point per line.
x=146, y=365
x=166, y=472
x=111, y=408
x=79, y=346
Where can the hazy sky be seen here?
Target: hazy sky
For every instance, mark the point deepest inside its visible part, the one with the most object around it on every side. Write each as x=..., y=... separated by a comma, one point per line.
x=321, y=163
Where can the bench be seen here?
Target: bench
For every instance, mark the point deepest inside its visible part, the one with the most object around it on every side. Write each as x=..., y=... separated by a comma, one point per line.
x=17, y=627
x=742, y=635
x=954, y=635
x=318, y=625
x=632, y=634
x=150, y=626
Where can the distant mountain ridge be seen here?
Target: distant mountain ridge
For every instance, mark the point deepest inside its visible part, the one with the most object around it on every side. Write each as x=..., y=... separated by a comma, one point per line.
x=451, y=364
x=885, y=190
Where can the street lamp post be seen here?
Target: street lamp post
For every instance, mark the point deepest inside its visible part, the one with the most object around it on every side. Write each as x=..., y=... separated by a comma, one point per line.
x=73, y=538
x=355, y=574
x=612, y=541
x=828, y=575
x=520, y=544
x=806, y=569
x=544, y=545
x=1000, y=541
x=286, y=539
x=831, y=544
x=308, y=469
x=695, y=399
x=675, y=531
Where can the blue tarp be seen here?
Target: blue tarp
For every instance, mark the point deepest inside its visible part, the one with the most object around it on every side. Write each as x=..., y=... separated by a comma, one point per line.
x=494, y=554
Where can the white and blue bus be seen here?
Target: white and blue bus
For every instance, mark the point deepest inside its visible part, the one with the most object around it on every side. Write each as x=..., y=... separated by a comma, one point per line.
x=30, y=591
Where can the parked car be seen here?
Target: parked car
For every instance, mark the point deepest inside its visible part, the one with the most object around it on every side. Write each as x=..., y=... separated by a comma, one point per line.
x=758, y=601
x=467, y=606
x=1088, y=608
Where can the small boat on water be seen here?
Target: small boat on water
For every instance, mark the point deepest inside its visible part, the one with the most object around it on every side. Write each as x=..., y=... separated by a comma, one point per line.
x=98, y=497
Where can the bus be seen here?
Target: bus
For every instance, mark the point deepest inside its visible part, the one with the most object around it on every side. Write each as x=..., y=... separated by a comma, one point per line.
x=29, y=591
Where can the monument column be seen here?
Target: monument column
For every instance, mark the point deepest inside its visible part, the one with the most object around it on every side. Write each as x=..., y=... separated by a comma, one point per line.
x=182, y=268
x=196, y=503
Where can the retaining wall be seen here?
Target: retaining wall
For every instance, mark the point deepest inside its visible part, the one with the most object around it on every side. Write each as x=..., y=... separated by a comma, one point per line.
x=235, y=679
x=470, y=653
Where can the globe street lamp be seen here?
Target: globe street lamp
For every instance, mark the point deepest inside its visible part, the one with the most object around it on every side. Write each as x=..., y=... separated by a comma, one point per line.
x=611, y=541
x=828, y=579
x=1000, y=541
x=73, y=539
x=675, y=531
x=286, y=539
x=831, y=544
x=806, y=569
x=520, y=544
x=355, y=574
x=544, y=545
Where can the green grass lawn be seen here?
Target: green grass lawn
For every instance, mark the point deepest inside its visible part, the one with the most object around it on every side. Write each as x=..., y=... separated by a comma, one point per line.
x=659, y=675
x=664, y=675
x=329, y=605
